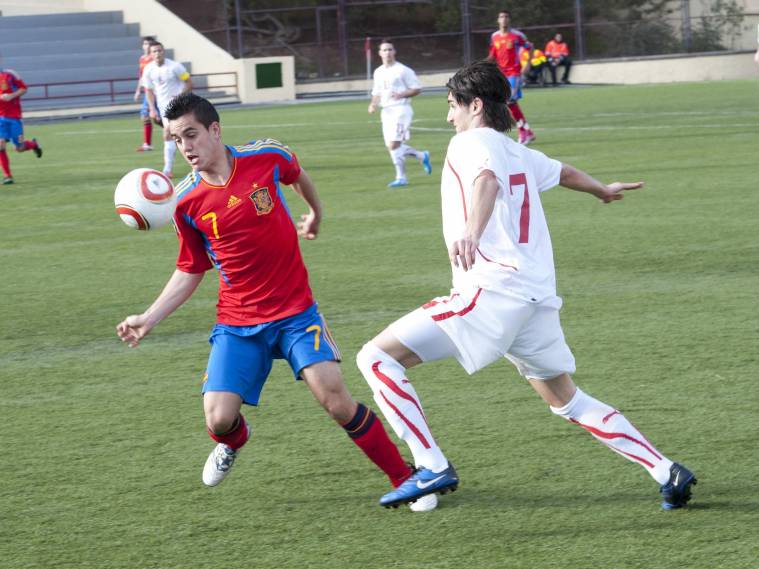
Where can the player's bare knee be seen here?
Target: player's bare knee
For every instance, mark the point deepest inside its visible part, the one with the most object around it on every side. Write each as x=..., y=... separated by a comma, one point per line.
x=220, y=420
x=340, y=406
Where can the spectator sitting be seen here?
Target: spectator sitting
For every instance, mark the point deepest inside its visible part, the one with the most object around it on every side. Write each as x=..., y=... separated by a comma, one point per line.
x=533, y=73
x=558, y=54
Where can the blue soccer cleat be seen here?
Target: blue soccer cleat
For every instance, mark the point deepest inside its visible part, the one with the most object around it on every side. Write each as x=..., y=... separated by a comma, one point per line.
x=426, y=164
x=676, y=492
x=423, y=482
x=398, y=182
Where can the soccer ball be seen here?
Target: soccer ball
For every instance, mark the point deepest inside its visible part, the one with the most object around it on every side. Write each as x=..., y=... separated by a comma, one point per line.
x=145, y=199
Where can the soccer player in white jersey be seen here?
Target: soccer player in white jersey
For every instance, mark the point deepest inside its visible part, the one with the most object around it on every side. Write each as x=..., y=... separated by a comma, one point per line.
x=164, y=79
x=394, y=85
x=503, y=302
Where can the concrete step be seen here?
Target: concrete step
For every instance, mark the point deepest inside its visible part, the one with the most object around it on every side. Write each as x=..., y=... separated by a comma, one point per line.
x=24, y=35
x=57, y=20
x=126, y=72
x=31, y=63
x=86, y=45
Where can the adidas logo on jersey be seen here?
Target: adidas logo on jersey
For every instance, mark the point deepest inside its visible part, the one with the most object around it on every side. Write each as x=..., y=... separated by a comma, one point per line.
x=233, y=201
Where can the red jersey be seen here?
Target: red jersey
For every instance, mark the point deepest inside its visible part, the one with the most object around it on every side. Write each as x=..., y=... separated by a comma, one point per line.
x=504, y=49
x=144, y=60
x=245, y=231
x=10, y=82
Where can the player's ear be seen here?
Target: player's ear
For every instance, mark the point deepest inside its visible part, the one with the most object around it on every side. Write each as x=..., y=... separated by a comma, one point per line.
x=215, y=129
x=476, y=106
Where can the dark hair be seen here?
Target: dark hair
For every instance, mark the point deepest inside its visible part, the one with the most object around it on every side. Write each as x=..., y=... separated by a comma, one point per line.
x=483, y=80
x=386, y=40
x=186, y=103
x=151, y=39
x=155, y=42
x=505, y=12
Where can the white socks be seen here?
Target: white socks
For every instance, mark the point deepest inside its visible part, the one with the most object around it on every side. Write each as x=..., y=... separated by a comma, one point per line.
x=401, y=406
x=612, y=428
x=410, y=151
x=399, y=161
x=169, y=149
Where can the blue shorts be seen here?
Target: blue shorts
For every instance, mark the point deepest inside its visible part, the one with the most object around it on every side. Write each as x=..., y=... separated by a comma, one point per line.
x=11, y=129
x=145, y=108
x=242, y=356
x=515, y=81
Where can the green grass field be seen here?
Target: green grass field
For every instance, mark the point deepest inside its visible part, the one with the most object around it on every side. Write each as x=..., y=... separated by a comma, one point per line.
x=102, y=446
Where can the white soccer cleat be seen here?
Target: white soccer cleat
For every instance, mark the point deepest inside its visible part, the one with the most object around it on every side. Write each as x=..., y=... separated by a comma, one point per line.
x=219, y=464
x=424, y=504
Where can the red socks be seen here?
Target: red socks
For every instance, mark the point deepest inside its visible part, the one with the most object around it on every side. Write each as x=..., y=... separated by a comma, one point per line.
x=516, y=112
x=29, y=145
x=367, y=431
x=5, y=164
x=236, y=437
x=147, y=132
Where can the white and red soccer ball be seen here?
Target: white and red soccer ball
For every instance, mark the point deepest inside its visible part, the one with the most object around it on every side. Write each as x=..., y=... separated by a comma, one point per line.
x=145, y=199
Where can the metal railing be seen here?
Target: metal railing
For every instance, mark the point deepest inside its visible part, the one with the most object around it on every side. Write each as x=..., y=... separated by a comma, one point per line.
x=121, y=90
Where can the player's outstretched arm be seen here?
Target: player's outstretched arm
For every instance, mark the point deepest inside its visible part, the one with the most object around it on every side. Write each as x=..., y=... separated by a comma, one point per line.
x=180, y=287
x=580, y=181
x=308, y=226
x=464, y=250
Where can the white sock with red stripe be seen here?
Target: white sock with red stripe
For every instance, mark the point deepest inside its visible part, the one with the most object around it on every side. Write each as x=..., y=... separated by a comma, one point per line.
x=411, y=151
x=612, y=428
x=400, y=404
x=399, y=161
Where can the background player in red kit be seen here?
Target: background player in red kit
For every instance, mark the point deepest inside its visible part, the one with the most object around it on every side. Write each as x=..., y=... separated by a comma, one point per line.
x=147, y=123
x=231, y=215
x=12, y=88
x=504, y=51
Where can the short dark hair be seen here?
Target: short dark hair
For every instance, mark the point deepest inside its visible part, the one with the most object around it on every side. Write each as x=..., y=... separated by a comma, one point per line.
x=151, y=39
x=156, y=42
x=505, y=12
x=186, y=103
x=483, y=80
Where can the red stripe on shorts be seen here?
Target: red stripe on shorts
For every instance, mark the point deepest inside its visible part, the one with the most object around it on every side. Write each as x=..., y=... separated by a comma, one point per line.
x=451, y=313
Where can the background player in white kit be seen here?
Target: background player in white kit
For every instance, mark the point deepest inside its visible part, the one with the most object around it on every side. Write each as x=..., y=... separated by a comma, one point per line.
x=503, y=302
x=164, y=79
x=394, y=85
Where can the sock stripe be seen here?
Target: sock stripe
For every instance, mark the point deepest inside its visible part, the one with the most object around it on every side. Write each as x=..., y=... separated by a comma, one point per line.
x=636, y=458
x=410, y=425
x=606, y=436
x=362, y=421
x=397, y=390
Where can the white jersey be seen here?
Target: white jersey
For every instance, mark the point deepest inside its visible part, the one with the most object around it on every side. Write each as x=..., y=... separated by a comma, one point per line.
x=166, y=81
x=515, y=254
x=394, y=79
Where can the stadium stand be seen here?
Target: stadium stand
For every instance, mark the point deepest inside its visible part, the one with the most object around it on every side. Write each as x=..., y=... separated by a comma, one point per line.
x=89, y=52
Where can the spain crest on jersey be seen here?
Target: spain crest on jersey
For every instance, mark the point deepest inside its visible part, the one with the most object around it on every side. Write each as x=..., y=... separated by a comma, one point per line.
x=262, y=201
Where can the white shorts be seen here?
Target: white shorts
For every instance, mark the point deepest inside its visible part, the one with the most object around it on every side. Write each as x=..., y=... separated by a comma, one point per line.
x=479, y=326
x=396, y=123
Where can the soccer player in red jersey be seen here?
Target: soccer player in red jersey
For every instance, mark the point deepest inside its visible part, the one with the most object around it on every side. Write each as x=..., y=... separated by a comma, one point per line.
x=147, y=123
x=12, y=88
x=504, y=51
x=231, y=215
